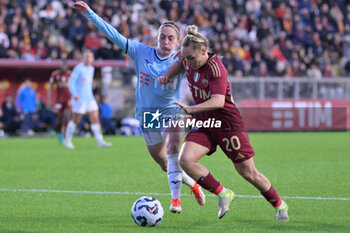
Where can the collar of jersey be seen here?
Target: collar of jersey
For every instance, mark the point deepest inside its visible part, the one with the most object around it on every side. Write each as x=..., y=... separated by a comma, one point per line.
x=159, y=57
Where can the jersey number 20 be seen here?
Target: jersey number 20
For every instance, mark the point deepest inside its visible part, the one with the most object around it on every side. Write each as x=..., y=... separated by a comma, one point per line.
x=233, y=142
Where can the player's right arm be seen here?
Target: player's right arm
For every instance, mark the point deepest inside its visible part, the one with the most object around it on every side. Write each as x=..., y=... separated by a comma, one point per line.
x=174, y=70
x=109, y=31
x=72, y=83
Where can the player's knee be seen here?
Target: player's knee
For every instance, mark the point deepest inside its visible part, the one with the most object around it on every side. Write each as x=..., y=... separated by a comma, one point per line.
x=172, y=148
x=185, y=162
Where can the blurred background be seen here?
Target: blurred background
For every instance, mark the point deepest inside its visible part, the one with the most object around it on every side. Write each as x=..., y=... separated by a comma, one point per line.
x=288, y=61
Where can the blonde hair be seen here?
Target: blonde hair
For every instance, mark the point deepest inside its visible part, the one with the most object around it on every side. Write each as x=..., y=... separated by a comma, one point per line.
x=195, y=38
x=172, y=25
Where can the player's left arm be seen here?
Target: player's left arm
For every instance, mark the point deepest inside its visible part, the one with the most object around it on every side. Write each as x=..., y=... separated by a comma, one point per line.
x=215, y=102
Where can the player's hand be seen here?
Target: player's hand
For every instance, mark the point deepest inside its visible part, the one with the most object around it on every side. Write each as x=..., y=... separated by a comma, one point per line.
x=164, y=80
x=184, y=107
x=81, y=6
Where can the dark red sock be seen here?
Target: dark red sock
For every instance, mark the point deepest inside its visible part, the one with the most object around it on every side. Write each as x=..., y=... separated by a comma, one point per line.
x=211, y=184
x=272, y=197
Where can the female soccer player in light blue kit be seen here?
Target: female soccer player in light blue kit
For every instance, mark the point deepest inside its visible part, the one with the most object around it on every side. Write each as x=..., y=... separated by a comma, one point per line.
x=83, y=101
x=153, y=100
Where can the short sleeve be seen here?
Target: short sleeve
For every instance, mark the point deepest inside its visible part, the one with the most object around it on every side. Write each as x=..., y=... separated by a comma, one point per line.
x=219, y=79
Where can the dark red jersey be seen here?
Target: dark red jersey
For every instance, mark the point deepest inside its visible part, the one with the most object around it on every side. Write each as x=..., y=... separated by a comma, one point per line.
x=61, y=79
x=232, y=138
x=212, y=79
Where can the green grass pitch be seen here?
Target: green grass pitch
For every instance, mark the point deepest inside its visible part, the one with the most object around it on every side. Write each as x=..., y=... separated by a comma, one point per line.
x=109, y=180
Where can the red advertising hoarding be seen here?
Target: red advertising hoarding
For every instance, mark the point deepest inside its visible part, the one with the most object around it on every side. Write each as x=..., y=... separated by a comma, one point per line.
x=296, y=115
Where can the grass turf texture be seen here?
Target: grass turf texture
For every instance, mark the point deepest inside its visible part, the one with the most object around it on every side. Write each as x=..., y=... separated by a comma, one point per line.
x=298, y=164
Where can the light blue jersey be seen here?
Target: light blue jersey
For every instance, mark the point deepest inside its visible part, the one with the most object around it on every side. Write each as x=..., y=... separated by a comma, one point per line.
x=150, y=95
x=80, y=82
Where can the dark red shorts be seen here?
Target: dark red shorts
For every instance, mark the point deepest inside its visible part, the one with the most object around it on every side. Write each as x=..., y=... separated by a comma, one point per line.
x=61, y=107
x=235, y=144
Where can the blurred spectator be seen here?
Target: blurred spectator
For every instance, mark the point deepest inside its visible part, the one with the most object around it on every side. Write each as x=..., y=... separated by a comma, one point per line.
x=46, y=118
x=314, y=72
x=92, y=42
x=52, y=30
x=76, y=33
x=4, y=42
x=11, y=118
x=26, y=104
x=107, y=124
x=108, y=51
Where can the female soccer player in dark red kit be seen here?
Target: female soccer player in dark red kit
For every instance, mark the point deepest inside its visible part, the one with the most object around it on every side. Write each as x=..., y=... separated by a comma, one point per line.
x=210, y=87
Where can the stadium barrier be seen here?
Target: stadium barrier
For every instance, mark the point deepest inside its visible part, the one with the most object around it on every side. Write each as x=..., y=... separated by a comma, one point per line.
x=296, y=115
x=293, y=104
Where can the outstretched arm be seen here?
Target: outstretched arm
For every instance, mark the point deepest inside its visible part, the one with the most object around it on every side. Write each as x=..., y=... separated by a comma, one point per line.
x=108, y=30
x=174, y=70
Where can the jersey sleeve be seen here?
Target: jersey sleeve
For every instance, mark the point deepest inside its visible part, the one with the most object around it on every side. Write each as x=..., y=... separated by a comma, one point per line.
x=127, y=45
x=218, y=80
x=72, y=82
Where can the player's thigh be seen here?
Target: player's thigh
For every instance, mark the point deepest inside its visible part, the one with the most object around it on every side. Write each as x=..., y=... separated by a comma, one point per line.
x=157, y=150
x=235, y=145
x=197, y=144
x=77, y=117
x=191, y=152
x=67, y=113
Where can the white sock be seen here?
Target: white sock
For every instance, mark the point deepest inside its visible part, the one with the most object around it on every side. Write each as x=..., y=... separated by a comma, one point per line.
x=187, y=180
x=174, y=175
x=69, y=132
x=96, y=130
x=222, y=191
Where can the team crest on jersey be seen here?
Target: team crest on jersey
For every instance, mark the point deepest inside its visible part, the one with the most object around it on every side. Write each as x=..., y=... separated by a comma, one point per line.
x=196, y=76
x=205, y=82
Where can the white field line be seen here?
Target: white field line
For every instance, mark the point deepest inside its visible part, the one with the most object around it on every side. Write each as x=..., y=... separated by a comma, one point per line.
x=159, y=194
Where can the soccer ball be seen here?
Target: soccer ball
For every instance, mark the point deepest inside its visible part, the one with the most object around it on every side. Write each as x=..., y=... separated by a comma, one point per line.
x=147, y=211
